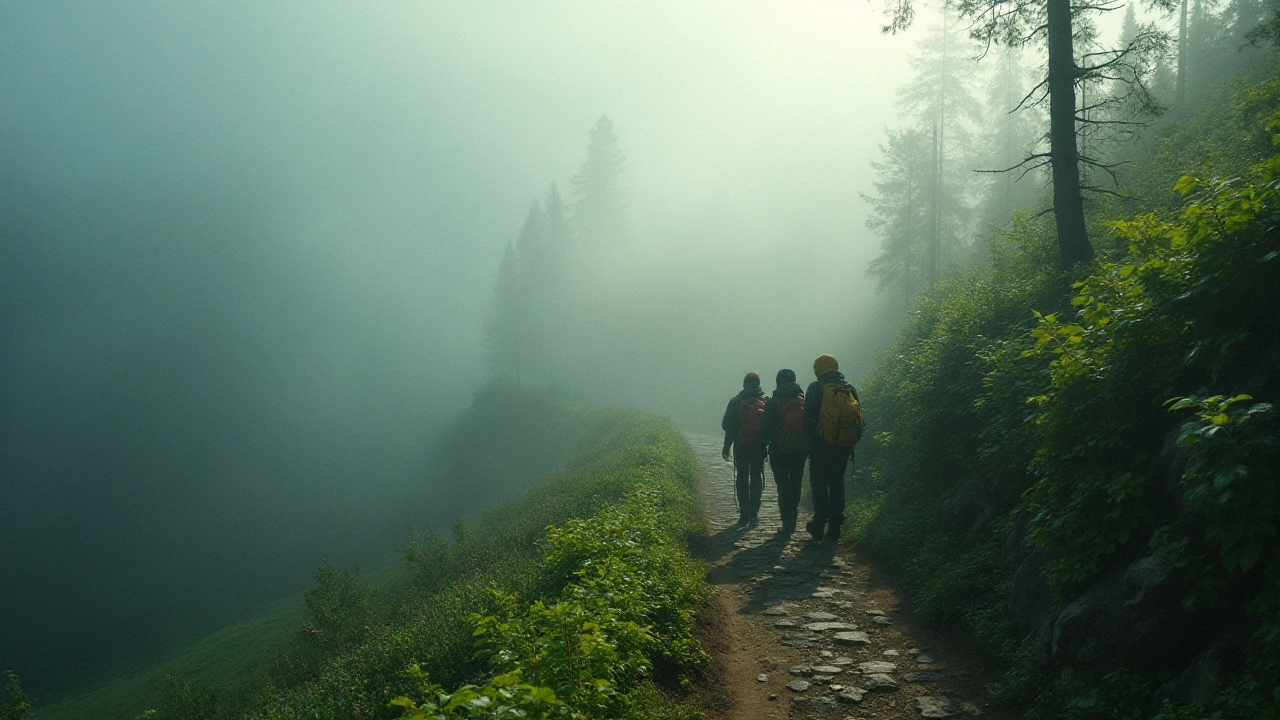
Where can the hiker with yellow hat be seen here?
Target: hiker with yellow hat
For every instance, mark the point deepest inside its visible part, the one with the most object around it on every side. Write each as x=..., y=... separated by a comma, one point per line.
x=833, y=416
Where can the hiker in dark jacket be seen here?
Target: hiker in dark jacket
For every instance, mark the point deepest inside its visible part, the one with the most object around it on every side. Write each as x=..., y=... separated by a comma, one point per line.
x=785, y=446
x=741, y=426
x=827, y=462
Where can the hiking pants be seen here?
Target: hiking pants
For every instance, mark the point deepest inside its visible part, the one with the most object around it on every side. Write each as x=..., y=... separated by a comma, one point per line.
x=826, y=477
x=748, y=461
x=788, y=475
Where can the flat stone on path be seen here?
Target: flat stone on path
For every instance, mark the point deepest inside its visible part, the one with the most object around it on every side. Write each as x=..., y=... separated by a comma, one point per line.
x=924, y=678
x=786, y=624
x=823, y=594
x=827, y=669
x=925, y=658
x=762, y=678
x=877, y=666
x=936, y=706
x=821, y=616
x=825, y=626
x=851, y=696
x=801, y=670
x=880, y=682
x=881, y=620
x=822, y=704
x=774, y=611
x=856, y=637
x=798, y=686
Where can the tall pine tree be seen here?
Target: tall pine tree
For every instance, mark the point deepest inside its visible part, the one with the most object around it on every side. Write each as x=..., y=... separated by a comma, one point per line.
x=599, y=201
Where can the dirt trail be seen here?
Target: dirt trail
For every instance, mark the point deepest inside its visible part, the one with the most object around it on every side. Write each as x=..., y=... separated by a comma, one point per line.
x=809, y=632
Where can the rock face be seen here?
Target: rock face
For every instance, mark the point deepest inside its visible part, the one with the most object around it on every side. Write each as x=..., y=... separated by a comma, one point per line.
x=1204, y=677
x=1031, y=598
x=1134, y=618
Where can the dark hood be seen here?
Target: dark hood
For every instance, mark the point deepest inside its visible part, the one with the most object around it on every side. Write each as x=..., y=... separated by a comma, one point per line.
x=786, y=390
x=832, y=376
x=750, y=392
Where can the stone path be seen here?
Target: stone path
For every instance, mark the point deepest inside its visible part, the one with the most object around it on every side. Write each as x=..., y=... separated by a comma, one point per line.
x=810, y=634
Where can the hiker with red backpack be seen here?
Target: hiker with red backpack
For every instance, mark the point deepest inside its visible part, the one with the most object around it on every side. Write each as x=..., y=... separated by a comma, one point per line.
x=783, y=438
x=833, y=417
x=741, y=427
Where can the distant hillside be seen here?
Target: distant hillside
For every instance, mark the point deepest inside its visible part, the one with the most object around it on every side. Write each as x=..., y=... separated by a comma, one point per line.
x=509, y=441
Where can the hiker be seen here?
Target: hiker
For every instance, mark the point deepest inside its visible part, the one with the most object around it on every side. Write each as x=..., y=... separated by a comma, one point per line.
x=741, y=426
x=833, y=417
x=783, y=439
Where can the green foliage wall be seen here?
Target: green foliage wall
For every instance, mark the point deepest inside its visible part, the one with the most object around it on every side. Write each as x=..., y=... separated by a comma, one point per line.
x=1129, y=412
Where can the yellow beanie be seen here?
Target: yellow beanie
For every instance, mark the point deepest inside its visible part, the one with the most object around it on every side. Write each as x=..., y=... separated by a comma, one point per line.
x=824, y=364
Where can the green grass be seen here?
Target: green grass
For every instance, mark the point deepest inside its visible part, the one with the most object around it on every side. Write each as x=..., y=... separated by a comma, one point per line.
x=217, y=659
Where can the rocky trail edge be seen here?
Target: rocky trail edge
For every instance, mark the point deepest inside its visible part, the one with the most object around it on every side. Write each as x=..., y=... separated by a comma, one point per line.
x=808, y=630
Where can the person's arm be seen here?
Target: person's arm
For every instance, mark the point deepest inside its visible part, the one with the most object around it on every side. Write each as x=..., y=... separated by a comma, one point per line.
x=768, y=424
x=812, y=407
x=730, y=426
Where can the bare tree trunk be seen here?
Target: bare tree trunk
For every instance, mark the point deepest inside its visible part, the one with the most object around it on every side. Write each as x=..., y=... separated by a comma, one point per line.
x=1182, y=54
x=935, y=211
x=1068, y=205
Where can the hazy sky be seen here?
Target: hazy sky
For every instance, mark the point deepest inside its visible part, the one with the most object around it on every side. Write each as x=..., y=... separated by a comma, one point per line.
x=246, y=247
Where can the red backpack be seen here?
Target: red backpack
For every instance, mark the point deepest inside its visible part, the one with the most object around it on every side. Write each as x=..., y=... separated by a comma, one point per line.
x=791, y=436
x=750, y=410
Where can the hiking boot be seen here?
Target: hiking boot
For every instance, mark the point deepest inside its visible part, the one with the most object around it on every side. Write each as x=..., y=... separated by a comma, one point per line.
x=833, y=530
x=814, y=529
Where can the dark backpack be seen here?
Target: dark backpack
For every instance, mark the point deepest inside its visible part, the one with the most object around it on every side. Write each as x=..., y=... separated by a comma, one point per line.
x=791, y=437
x=750, y=410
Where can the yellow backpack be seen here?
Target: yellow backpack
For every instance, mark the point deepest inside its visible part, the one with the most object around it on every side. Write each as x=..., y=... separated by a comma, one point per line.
x=840, y=421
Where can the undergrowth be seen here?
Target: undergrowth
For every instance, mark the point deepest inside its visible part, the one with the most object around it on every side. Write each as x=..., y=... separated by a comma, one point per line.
x=1097, y=416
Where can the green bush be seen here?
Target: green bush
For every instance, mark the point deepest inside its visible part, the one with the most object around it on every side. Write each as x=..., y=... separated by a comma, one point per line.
x=628, y=597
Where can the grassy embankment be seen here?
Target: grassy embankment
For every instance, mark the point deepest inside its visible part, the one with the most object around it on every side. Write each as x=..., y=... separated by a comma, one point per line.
x=1023, y=410
x=596, y=553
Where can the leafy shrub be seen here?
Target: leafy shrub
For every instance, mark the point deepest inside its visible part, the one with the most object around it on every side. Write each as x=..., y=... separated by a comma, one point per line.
x=17, y=705
x=628, y=597
x=338, y=607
